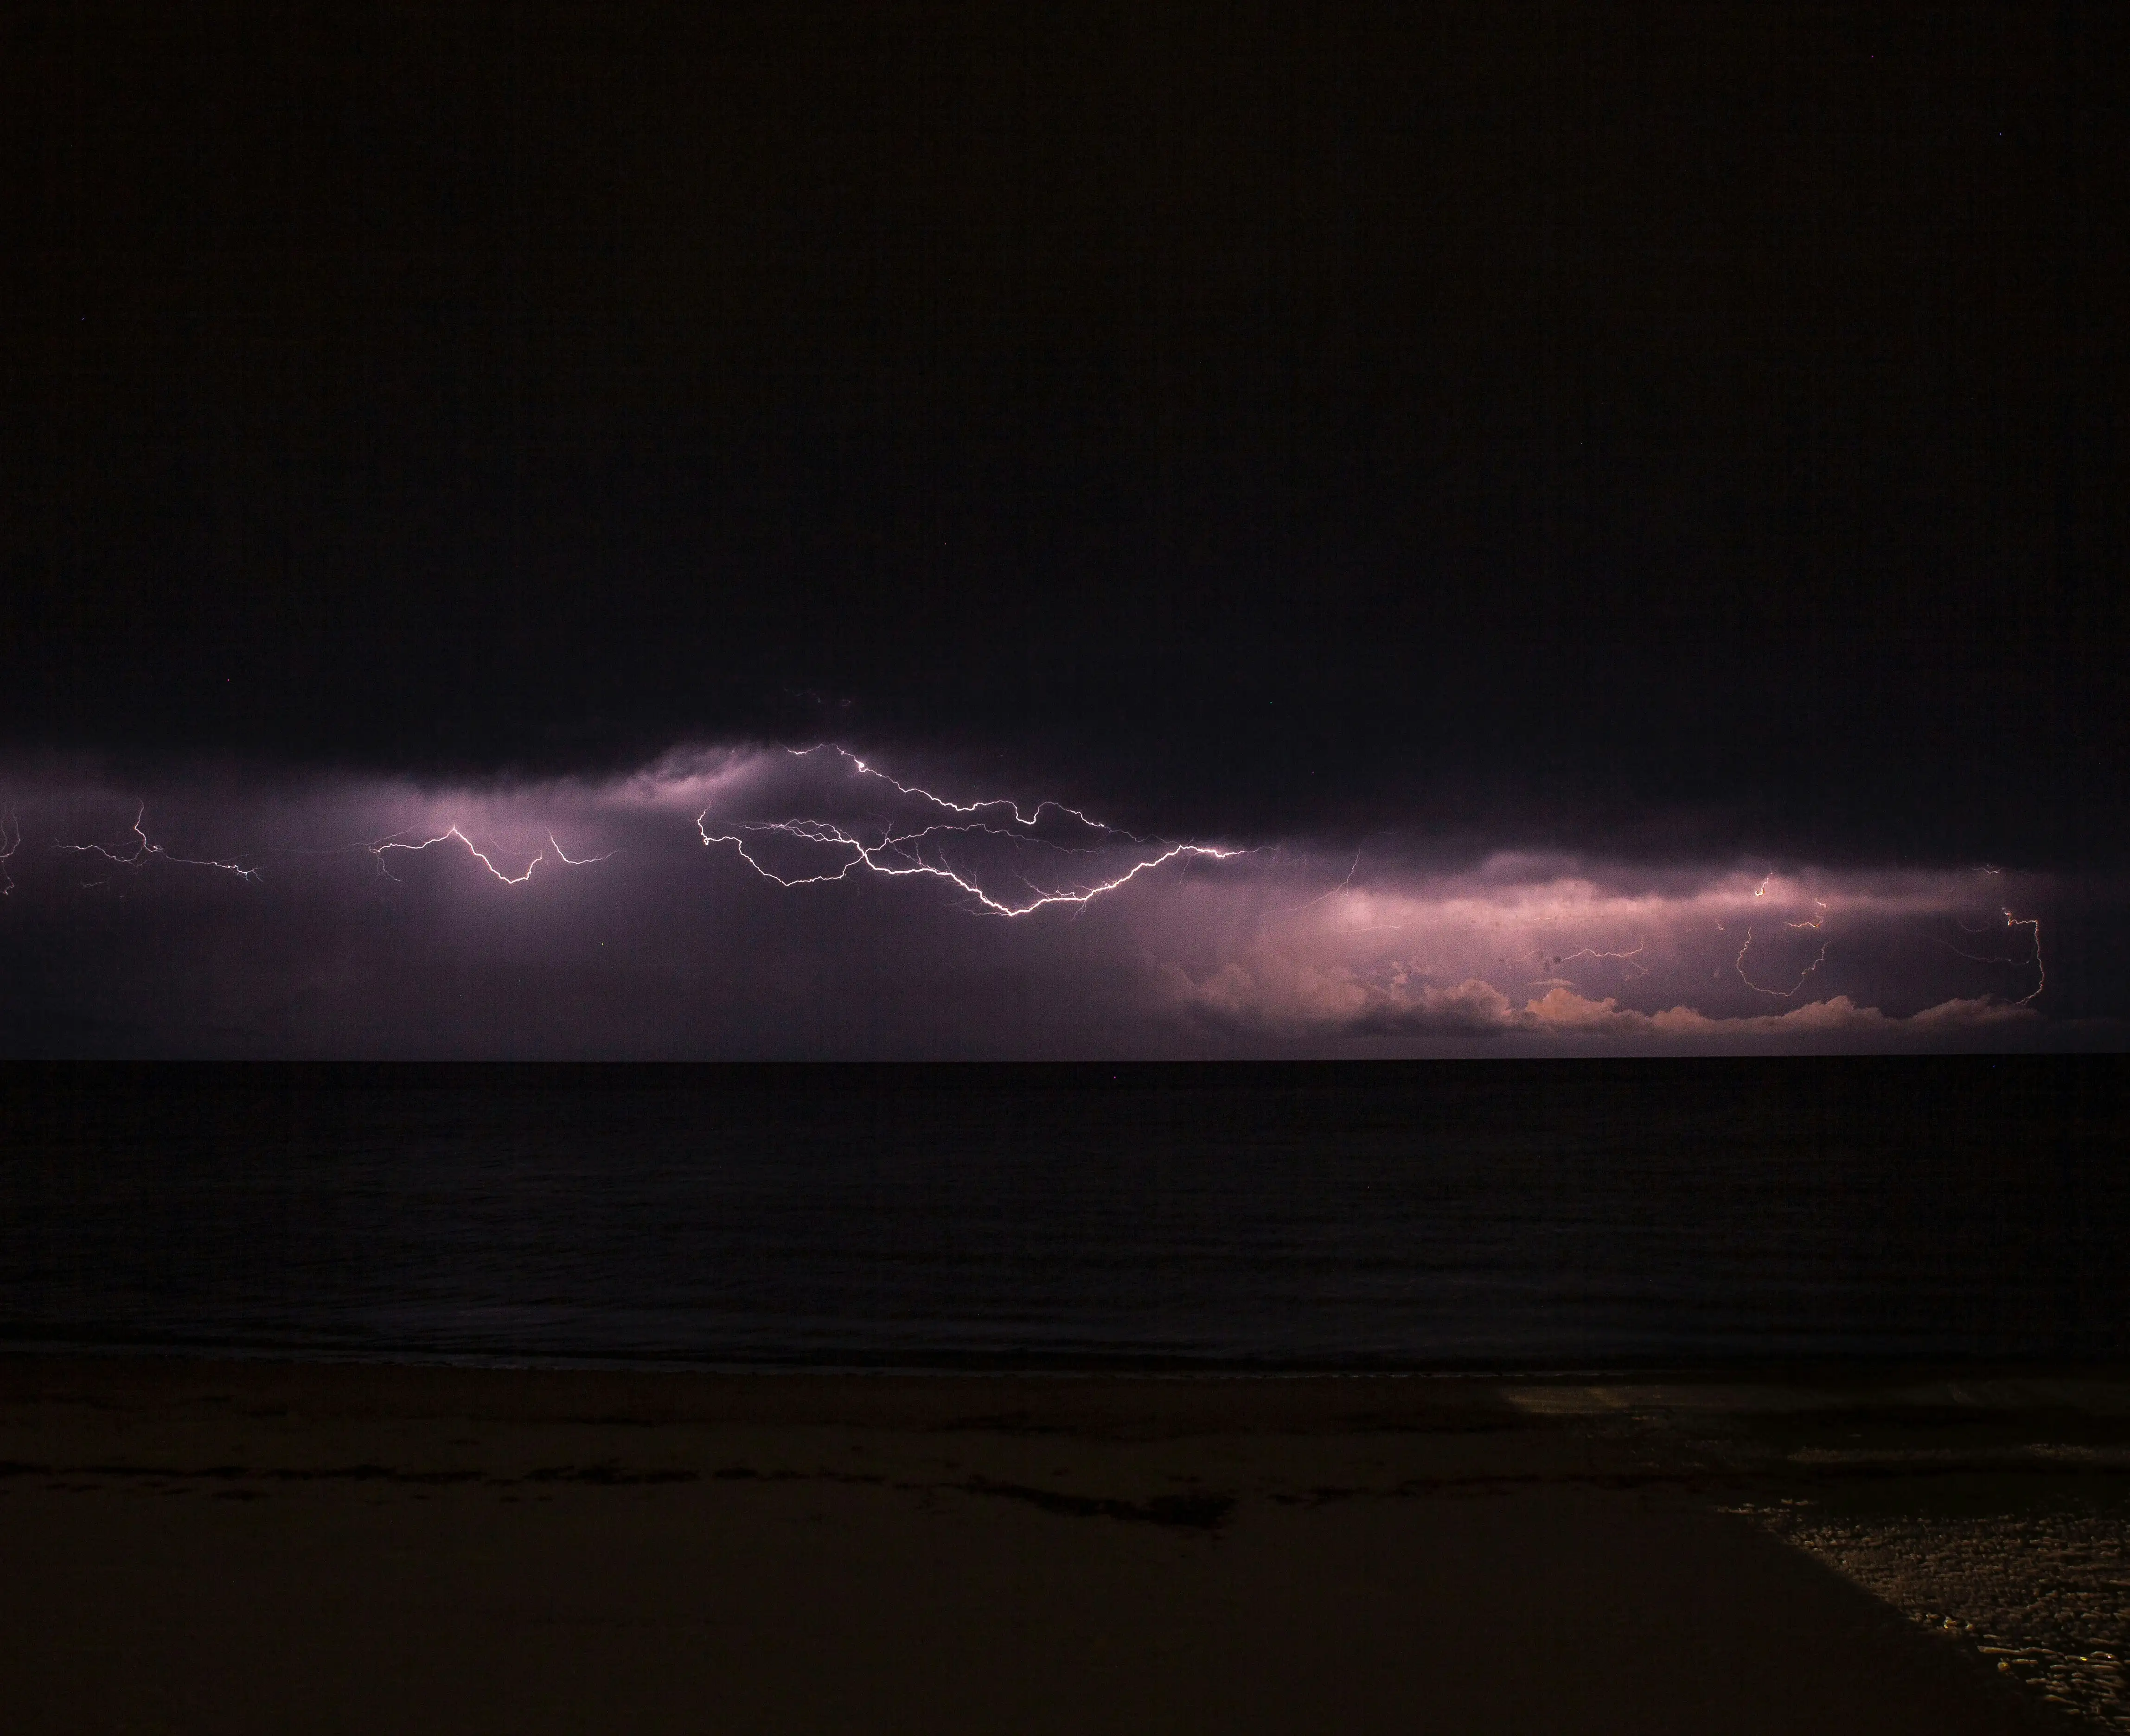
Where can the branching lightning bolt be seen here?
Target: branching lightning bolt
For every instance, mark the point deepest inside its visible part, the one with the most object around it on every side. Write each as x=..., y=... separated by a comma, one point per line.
x=1028, y=819
x=144, y=851
x=1818, y=922
x=1631, y=959
x=2031, y=923
x=900, y=856
x=2040, y=970
x=986, y=850
x=1738, y=963
x=568, y=860
x=1353, y=868
x=924, y=851
x=395, y=841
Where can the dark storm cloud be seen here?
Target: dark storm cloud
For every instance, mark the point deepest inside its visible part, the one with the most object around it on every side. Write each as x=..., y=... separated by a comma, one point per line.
x=619, y=917
x=1560, y=424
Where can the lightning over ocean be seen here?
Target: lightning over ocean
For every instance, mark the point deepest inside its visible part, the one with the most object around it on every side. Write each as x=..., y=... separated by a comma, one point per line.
x=1083, y=865
x=810, y=899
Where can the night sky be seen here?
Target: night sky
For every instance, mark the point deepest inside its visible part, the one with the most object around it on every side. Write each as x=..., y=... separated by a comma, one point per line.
x=1642, y=448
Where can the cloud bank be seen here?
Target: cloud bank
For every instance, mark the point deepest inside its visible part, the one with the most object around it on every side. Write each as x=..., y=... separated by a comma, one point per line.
x=750, y=902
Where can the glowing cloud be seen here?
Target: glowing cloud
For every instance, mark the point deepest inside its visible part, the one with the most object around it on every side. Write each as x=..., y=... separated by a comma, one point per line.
x=1523, y=946
x=717, y=901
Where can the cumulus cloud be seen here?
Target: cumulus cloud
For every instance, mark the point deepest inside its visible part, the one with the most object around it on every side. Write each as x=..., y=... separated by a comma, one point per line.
x=1644, y=956
x=1563, y=1010
x=1336, y=1003
x=1335, y=1000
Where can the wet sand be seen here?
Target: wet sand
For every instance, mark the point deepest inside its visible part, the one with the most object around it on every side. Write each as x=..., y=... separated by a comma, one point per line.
x=236, y=1546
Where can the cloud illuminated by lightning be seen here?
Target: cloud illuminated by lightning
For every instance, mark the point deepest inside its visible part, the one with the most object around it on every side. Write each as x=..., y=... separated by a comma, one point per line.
x=1403, y=941
x=1311, y=972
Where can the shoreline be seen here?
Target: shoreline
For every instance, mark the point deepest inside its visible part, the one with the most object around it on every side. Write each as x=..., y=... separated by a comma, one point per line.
x=269, y=1544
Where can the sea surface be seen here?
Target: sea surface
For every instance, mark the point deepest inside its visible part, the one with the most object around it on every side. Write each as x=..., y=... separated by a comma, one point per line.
x=1431, y=1215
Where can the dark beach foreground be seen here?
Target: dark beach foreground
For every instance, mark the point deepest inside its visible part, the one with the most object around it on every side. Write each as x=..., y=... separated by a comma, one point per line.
x=240, y=1546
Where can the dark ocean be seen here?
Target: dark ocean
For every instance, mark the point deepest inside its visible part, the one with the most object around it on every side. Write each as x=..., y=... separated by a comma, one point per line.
x=1431, y=1215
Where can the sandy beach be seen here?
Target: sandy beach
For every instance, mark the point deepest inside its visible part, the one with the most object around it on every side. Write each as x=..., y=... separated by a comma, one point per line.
x=240, y=1546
